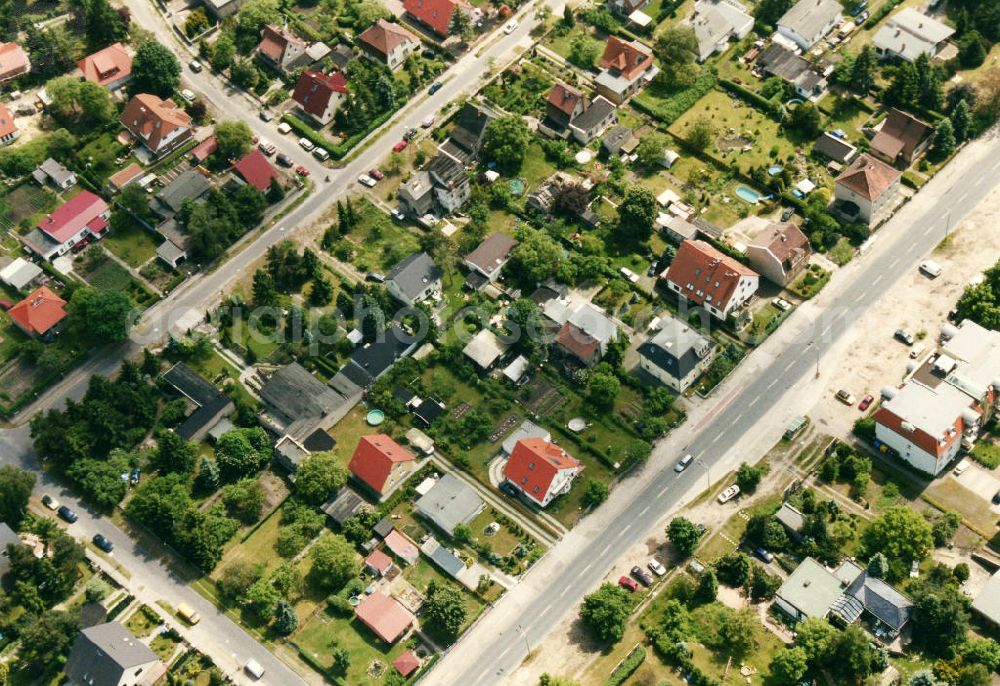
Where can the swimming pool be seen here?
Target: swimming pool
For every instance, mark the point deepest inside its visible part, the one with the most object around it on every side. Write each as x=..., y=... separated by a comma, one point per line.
x=748, y=194
x=775, y=170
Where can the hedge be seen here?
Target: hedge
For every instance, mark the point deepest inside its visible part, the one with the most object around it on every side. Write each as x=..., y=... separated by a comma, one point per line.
x=881, y=13
x=912, y=180
x=775, y=110
x=627, y=667
x=670, y=109
x=120, y=607
x=337, y=150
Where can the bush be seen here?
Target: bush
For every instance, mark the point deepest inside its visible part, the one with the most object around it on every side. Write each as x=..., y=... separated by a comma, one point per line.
x=669, y=109
x=773, y=109
x=987, y=454
x=627, y=667
x=881, y=13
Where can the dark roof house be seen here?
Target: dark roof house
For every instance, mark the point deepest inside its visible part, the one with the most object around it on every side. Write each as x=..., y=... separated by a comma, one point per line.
x=901, y=139
x=466, y=138
x=297, y=403
x=210, y=403
x=109, y=655
x=450, y=502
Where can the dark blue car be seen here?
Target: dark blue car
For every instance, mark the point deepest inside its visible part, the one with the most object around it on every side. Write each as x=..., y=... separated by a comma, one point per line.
x=435, y=87
x=67, y=514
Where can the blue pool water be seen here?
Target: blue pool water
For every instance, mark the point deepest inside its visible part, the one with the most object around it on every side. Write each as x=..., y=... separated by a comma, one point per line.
x=775, y=170
x=748, y=194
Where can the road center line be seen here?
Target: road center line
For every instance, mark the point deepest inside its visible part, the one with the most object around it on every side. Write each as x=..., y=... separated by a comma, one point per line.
x=545, y=611
x=877, y=280
x=717, y=437
x=787, y=367
x=644, y=511
x=962, y=197
x=662, y=491
x=754, y=401
x=565, y=590
x=606, y=549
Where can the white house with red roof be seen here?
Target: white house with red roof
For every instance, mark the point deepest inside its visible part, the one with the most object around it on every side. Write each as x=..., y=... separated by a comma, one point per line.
x=255, y=170
x=780, y=252
x=110, y=67
x=541, y=470
x=626, y=66
x=160, y=125
x=381, y=464
x=77, y=222
x=711, y=279
x=867, y=189
x=320, y=95
x=388, y=43
x=8, y=129
x=436, y=14
x=39, y=314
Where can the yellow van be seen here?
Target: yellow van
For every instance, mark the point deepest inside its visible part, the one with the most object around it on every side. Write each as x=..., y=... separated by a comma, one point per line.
x=188, y=613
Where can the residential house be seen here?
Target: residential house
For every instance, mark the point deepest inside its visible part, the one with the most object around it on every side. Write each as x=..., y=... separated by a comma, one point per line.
x=562, y=106
x=675, y=229
x=378, y=563
x=14, y=62
x=811, y=590
x=76, y=222
x=343, y=505
x=407, y=663
x=447, y=561
x=677, y=355
x=711, y=279
x=491, y=255
x=385, y=616
x=204, y=150
x=594, y=120
x=110, y=67
x=320, y=95
x=835, y=148
x=285, y=51
x=583, y=331
x=885, y=608
x=117, y=181
x=901, y=139
x=210, y=404
x=466, y=138
x=450, y=502
x=371, y=360
x=188, y=186
x=987, y=602
x=909, y=33
x=55, y=173
x=40, y=314
x=792, y=519
x=866, y=190
x=450, y=181
x=436, y=14
x=416, y=196
x=616, y=140
x=415, y=279
x=254, y=169
x=388, y=43
x=381, y=464
x=20, y=273
x=400, y=545
x=220, y=9
x=485, y=349
x=779, y=252
x=8, y=129
x=527, y=429
x=299, y=405
x=7, y=537
x=624, y=8
x=809, y=21
x=626, y=66
x=109, y=655
x=541, y=470
x=777, y=60
x=716, y=23
x=160, y=125
x=342, y=55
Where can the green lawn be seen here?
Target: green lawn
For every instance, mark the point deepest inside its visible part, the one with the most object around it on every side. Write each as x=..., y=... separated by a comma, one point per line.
x=142, y=622
x=378, y=243
x=23, y=205
x=325, y=630
x=132, y=243
x=842, y=252
x=259, y=548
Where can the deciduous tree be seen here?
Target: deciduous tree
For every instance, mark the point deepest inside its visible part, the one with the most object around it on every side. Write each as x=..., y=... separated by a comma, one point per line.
x=155, y=70
x=605, y=612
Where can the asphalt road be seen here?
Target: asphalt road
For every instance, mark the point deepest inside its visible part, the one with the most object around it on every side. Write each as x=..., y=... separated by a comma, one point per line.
x=497, y=646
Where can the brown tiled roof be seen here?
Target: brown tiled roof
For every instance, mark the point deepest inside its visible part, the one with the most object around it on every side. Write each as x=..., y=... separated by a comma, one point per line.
x=151, y=119
x=699, y=267
x=784, y=240
x=581, y=344
x=274, y=41
x=631, y=59
x=13, y=60
x=384, y=36
x=104, y=66
x=492, y=252
x=7, y=125
x=314, y=90
x=868, y=177
x=901, y=133
x=565, y=98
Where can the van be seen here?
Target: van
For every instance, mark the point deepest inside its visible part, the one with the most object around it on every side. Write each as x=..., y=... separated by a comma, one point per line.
x=931, y=268
x=321, y=154
x=188, y=614
x=266, y=147
x=253, y=668
x=917, y=350
x=306, y=144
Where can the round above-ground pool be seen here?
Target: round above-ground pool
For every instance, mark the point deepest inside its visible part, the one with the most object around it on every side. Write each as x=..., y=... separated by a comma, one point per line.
x=375, y=417
x=516, y=186
x=748, y=194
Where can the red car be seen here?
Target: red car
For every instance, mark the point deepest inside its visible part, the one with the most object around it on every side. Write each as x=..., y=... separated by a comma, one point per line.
x=400, y=146
x=865, y=402
x=376, y=174
x=301, y=171
x=628, y=584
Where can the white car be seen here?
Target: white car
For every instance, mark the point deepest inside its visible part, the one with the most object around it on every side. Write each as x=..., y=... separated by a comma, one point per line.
x=366, y=180
x=50, y=502
x=195, y=66
x=931, y=268
x=629, y=274
x=188, y=94
x=284, y=127
x=683, y=463
x=428, y=122
x=510, y=27
x=266, y=147
x=729, y=494
x=254, y=669
x=961, y=467
x=306, y=144
x=656, y=567
x=782, y=304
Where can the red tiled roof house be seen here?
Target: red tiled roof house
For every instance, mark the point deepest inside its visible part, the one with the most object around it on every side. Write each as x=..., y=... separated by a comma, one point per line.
x=255, y=170
x=866, y=190
x=319, y=95
x=779, y=253
x=110, y=67
x=402, y=547
x=281, y=48
x=8, y=129
x=14, y=61
x=378, y=563
x=385, y=616
x=79, y=220
x=39, y=314
x=160, y=125
x=388, y=43
x=901, y=139
x=435, y=14
x=625, y=68
x=711, y=279
x=541, y=470
x=407, y=663
x=381, y=464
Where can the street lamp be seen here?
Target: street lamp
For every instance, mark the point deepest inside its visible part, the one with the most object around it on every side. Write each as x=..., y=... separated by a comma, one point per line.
x=708, y=474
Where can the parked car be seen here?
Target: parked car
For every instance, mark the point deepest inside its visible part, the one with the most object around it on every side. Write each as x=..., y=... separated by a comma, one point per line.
x=510, y=27
x=961, y=467
x=195, y=66
x=996, y=498
x=67, y=514
x=729, y=494
x=904, y=336
x=188, y=614
x=410, y=134
x=400, y=146
x=642, y=576
x=398, y=214
x=428, y=54
x=266, y=147
x=103, y=543
x=301, y=171
x=133, y=477
x=435, y=87
x=284, y=160
x=931, y=268
x=859, y=8
x=787, y=214
x=629, y=275
x=284, y=127
x=917, y=350
x=656, y=567
x=187, y=94
x=321, y=154
x=683, y=463
x=763, y=554
x=505, y=486
x=862, y=18
x=253, y=668
x=428, y=121
x=366, y=180
x=782, y=304
x=654, y=268
x=628, y=584
x=306, y=144
x=845, y=397
x=866, y=402
x=376, y=174
x=265, y=115
x=375, y=277
x=50, y=502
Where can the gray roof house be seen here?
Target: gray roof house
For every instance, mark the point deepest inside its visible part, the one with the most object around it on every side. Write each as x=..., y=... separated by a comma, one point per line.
x=414, y=279
x=297, y=404
x=416, y=196
x=791, y=519
x=779, y=61
x=20, y=273
x=450, y=502
x=716, y=23
x=211, y=405
x=987, y=603
x=528, y=429
x=109, y=655
x=450, y=181
x=812, y=589
x=594, y=120
x=808, y=21
x=491, y=255
x=50, y=170
x=7, y=537
x=615, y=139
x=190, y=185
x=343, y=505
x=868, y=594
x=677, y=355
x=371, y=360
x=466, y=138
x=449, y=563
x=837, y=149
x=909, y=33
